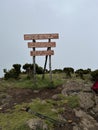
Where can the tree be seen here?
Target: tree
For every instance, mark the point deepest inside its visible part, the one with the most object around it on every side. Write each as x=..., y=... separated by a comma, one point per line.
x=79, y=73
x=26, y=67
x=29, y=69
x=13, y=73
x=68, y=71
x=17, y=68
x=87, y=71
x=39, y=70
x=57, y=71
x=94, y=75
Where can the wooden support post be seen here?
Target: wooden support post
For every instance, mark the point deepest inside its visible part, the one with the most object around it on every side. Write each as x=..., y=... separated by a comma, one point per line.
x=34, y=65
x=50, y=64
x=43, y=76
x=50, y=68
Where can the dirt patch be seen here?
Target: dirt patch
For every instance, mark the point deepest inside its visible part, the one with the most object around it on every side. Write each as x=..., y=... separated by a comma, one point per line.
x=19, y=95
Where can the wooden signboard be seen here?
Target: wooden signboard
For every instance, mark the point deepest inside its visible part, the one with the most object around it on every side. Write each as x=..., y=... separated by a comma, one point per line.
x=41, y=44
x=42, y=53
x=33, y=44
x=40, y=36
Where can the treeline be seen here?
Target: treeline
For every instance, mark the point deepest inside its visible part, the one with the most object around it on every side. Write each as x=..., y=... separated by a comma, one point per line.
x=69, y=71
x=78, y=73
x=15, y=71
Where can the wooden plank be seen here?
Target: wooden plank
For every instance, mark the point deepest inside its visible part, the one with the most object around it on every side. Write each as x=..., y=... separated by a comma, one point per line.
x=42, y=53
x=41, y=44
x=40, y=36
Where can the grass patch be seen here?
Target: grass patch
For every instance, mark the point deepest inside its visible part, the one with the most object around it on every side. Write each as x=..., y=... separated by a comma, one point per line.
x=13, y=120
x=24, y=82
x=72, y=101
x=16, y=119
x=43, y=107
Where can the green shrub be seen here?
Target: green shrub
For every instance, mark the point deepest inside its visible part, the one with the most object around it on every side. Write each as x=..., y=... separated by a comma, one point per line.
x=68, y=71
x=73, y=101
x=29, y=69
x=57, y=71
x=94, y=75
x=79, y=73
x=12, y=73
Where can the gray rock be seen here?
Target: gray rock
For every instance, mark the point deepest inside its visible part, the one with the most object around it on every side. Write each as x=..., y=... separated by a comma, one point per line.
x=5, y=99
x=64, y=92
x=55, y=97
x=36, y=91
x=87, y=87
x=86, y=100
x=72, y=87
x=76, y=128
x=95, y=109
x=36, y=124
x=96, y=99
x=87, y=122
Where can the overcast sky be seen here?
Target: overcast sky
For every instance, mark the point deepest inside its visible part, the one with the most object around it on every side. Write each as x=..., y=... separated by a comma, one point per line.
x=76, y=21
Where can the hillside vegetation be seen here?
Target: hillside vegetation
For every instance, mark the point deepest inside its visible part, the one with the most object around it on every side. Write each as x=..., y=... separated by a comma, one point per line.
x=39, y=96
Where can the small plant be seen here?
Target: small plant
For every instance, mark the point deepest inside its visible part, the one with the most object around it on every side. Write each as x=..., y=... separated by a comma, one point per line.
x=73, y=101
x=51, y=85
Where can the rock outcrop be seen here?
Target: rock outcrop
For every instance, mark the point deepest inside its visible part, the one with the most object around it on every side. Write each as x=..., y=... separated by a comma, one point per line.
x=36, y=124
x=87, y=122
x=88, y=104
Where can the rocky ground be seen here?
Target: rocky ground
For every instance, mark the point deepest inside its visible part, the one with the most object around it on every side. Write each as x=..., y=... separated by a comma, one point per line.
x=85, y=117
x=88, y=102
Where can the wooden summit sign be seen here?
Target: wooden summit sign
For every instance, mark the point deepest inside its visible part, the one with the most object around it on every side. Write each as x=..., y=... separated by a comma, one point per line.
x=40, y=36
x=47, y=45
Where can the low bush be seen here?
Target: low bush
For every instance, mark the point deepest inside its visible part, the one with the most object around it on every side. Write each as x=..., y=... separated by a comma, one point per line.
x=94, y=75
